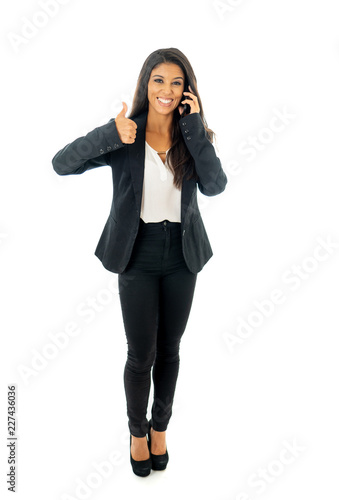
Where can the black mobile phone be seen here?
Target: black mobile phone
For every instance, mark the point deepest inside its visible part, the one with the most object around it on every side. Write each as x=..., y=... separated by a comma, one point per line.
x=187, y=107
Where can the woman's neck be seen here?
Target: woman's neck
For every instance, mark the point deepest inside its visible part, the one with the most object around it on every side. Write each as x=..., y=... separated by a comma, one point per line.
x=159, y=124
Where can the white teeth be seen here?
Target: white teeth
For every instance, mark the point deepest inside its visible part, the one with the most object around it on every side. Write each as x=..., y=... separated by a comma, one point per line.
x=165, y=101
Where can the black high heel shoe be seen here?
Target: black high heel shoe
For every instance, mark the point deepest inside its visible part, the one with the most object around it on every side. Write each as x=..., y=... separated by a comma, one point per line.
x=159, y=462
x=141, y=468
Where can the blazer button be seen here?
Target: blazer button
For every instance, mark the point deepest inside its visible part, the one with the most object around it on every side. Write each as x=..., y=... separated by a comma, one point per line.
x=186, y=131
x=101, y=151
x=188, y=137
x=116, y=146
x=109, y=148
x=183, y=124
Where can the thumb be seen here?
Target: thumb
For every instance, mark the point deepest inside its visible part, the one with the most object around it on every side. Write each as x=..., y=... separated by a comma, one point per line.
x=123, y=111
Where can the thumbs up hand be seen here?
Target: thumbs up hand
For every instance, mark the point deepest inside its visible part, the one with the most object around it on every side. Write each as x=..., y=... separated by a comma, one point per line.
x=127, y=129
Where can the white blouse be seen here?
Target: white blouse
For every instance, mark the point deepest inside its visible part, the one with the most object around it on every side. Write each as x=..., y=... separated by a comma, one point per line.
x=161, y=199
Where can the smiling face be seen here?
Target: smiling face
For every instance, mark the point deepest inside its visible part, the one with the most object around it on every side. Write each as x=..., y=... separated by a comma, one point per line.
x=165, y=88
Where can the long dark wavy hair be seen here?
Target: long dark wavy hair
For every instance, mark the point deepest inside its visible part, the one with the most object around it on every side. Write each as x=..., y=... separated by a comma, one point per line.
x=180, y=160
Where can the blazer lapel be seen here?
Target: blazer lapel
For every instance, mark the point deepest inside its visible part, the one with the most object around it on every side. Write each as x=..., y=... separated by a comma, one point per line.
x=136, y=153
x=186, y=194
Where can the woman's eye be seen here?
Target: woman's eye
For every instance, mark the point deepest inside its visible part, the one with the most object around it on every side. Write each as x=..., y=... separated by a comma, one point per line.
x=160, y=80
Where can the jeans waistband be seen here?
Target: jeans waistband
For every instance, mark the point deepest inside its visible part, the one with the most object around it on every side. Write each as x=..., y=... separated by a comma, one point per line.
x=162, y=224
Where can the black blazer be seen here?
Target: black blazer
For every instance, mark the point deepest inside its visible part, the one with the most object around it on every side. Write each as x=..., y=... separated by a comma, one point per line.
x=102, y=146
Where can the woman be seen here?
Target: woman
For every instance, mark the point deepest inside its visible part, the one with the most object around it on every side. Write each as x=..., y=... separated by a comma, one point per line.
x=154, y=237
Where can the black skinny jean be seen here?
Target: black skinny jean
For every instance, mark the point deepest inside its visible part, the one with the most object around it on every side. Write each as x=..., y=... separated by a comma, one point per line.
x=156, y=291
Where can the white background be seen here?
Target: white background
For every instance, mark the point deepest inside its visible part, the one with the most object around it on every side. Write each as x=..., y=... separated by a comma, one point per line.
x=235, y=410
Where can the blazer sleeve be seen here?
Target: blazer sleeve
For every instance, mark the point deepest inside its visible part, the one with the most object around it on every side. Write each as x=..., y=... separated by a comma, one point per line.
x=212, y=178
x=89, y=151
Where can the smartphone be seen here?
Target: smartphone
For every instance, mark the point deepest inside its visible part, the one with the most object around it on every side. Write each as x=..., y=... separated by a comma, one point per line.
x=187, y=107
